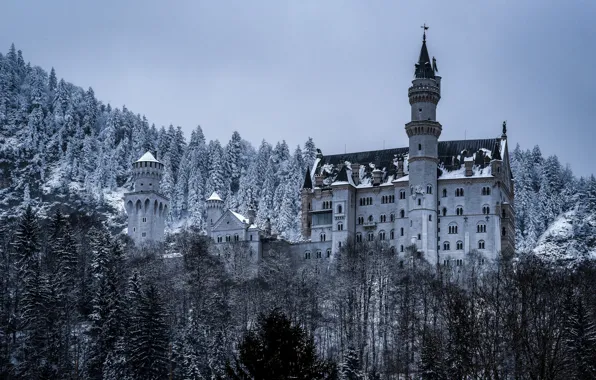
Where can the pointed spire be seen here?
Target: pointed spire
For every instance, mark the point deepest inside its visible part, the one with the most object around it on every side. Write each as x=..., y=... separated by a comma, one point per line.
x=307, y=180
x=424, y=68
x=504, y=135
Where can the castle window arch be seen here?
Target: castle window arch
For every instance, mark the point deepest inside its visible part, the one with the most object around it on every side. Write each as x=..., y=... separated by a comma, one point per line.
x=383, y=218
x=323, y=236
x=459, y=210
x=139, y=205
x=382, y=235
x=402, y=194
x=401, y=231
x=340, y=226
x=236, y=237
x=452, y=228
x=481, y=227
x=446, y=246
x=429, y=189
x=328, y=252
x=370, y=218
x=392, y=234
x=402, y=213
x=480, y=244
x=307, y=255
x=228, y=238
x=444, y=211
x=319, y=254
x=340, y=209
x=392, y=217
x=486, y=209
x=358, y=237
x=460, y=245
x=360, y=220
x=444, y=193
x=370, y=236
x=459, y=192
x=401, y=248
x=419, y=202
x=486, y=190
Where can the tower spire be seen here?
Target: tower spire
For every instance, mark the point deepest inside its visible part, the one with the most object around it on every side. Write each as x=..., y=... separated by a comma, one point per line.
x=424, y=68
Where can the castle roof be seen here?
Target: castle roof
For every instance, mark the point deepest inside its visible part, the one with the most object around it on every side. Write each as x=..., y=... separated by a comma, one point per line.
x=214, y=197
x=307, y=180
x=424, y=69
x=147, y=157
x=451, y=159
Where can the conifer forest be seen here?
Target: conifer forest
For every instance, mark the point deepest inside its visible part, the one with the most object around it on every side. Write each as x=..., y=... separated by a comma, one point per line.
x=78, y=300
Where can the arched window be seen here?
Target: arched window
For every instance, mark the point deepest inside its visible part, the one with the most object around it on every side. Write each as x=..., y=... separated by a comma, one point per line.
x=459, y=210
x=371, y=236
x=228, y=238
x=402, y=213
x=339, y=209
x=486, y=190
x=370, y=218
x=307, y=255
x=401, y=231
x=340, y=226
x=460, y=245
x=486, y=209
x=402, y=194
x=446, y=246
x=459, y=192
x=429, y=189
x=382, y=235
x=323, y=237
x=236, y=237
x=444, y=193
x=360, y=220
x=392, y=234
x=401, y=248
x=383, y=218
x=480, y=244
x=453, y=228
x=318, y=254
x=358, y=237
x=328, y=252
x=481, y=227
x=392, y=217
x=444, y=211
x=419, y=202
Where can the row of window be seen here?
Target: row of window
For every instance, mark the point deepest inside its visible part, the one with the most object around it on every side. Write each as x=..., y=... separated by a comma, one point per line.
x=229, y=238
x=382, y=235
x=318, y=254
x=388, y=199
x=327, y=205
x=460, y=245
x=459, y=210
x=367, y=201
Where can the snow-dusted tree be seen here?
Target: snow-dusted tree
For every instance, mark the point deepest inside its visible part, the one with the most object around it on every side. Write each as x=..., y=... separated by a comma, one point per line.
x=217, y=181
x=310, y=152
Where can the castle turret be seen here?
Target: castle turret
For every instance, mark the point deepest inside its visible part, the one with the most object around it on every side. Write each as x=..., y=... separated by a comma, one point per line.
x=423, y=131
x=215, y=207
x=147, y=209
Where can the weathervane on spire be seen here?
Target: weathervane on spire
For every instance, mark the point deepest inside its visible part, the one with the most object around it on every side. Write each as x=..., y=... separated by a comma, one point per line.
x=425, y=27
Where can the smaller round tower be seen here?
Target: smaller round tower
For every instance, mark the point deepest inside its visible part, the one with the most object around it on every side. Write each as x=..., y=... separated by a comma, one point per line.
x=146, y=207
x=215, y=207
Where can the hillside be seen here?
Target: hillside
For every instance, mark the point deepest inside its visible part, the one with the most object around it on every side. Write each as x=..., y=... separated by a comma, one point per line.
x=59, y=145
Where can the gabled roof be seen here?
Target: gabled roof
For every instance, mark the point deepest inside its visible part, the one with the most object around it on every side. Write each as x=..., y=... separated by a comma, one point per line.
x=147, y=157
x=451, y=158
x=240, y=217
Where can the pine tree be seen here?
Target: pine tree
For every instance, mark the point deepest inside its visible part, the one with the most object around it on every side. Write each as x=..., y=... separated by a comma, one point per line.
x=149, y=342
x=349, y=369
x=310, y=153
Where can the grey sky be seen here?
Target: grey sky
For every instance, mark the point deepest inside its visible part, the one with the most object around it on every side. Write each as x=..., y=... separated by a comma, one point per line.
x=336, y=70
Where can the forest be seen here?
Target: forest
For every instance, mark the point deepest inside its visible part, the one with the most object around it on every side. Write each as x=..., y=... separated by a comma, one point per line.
x=79, y=301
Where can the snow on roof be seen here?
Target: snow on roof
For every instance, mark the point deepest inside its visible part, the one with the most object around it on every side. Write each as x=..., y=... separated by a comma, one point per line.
x=477, y=172
x=240, y=217
x=214, y=197
x=147, y=157
x=405, y=178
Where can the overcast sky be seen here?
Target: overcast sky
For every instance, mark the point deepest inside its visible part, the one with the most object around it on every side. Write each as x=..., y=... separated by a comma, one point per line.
x=337, y=71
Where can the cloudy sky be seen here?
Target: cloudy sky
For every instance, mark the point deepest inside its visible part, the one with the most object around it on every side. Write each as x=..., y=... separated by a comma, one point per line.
x=336, y=70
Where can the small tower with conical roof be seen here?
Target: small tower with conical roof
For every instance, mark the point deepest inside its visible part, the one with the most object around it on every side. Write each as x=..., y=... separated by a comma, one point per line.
x=146, y=207
x=215, y=207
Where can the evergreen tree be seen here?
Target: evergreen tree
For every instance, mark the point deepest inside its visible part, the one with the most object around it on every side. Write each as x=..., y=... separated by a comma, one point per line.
x=349, y=369
x=279, y=350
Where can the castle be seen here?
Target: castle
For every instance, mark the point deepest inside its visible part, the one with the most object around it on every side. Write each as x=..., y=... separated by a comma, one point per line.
x=447, y=198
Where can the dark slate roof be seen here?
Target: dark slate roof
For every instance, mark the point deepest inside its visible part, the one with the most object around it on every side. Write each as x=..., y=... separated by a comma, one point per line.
x=450, y=157
x=342, y=176
x=424, y=68
x=307, y=180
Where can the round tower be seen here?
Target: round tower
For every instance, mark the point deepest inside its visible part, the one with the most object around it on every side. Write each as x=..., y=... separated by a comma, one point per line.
x=215, y=206
x=423, y=132
x=146, y=207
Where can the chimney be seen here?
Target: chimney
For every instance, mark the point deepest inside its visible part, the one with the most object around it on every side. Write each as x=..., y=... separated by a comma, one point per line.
x=400, y=167
x=356, y=174
x=468, y=164
x=251, y=216
x=318, y=180
x=376, y=175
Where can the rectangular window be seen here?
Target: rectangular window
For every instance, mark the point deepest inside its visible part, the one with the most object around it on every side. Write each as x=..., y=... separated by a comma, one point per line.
x=144, y=220
x=322, y=218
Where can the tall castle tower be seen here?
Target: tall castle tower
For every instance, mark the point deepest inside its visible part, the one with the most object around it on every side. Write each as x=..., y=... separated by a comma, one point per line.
x=215, y=209
x=146, y=207
x=423, y=132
